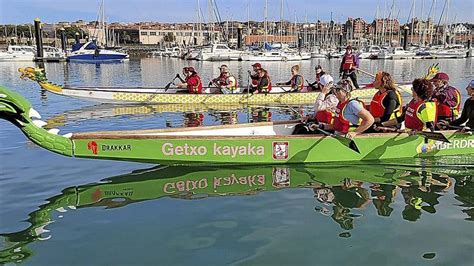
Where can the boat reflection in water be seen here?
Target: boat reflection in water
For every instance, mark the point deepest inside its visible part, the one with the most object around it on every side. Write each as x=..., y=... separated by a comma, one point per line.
x=339, y=191
x=191, y=114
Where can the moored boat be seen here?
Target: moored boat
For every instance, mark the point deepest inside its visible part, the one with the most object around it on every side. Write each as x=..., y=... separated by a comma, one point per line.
x=257, y=143
x=89, y=52
x=127, y=95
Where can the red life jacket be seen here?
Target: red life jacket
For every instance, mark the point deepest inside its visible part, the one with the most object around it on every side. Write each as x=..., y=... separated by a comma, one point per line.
x=340, y=123
x=377, y=109
x=293, y=82
x=221, y=80
x=411, y=118
x=444, y=110
x=324, y=116
x=194, y=84
x=255, y=80
x=348, y=62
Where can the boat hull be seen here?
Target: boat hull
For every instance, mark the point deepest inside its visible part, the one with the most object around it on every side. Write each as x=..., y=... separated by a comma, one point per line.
x=189, y=149
x=157, y=96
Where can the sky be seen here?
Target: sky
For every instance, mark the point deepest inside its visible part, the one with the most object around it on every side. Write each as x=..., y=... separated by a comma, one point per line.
x=51, y=11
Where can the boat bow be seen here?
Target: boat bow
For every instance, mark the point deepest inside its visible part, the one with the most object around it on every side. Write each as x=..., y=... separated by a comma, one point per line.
x=38, y=75
x=17, y=110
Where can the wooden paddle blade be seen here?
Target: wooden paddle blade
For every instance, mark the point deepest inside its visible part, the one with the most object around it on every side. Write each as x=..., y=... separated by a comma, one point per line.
x=434, y=136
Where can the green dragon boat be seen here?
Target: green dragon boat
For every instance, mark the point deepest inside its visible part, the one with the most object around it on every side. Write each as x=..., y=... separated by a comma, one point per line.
x=257, y=143
x=194, y=183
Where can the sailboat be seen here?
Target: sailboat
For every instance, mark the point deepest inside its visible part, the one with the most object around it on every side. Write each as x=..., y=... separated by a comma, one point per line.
x=91, y=52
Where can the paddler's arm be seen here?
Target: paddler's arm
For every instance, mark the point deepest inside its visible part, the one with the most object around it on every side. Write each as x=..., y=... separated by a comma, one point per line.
x=367, y=121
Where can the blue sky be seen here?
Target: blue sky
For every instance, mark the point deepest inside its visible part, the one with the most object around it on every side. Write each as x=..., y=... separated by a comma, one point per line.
x=49, y=11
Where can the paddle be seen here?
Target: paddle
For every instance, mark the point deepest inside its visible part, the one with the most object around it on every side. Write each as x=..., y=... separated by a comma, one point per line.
x=350, y=143
x=438, y=136
x=172, y=81
x=373, y=76
x=465, y=129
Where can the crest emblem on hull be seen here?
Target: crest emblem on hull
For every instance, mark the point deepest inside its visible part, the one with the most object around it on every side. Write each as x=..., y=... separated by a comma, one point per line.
x=280, y=150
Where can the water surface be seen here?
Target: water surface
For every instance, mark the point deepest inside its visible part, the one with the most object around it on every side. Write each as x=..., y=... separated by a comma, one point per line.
x=63, y=211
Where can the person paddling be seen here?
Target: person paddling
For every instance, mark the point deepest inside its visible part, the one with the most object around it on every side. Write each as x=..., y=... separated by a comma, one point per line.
x=467, y=115
x=447, y=98
x=349, y=64
x=192, y=81
x=296, y=82
x=261, y=82
x=348, y=111
x=386, y=102
x=254, y=77
x=420, y=113
x=319, y=73
x=226, y=82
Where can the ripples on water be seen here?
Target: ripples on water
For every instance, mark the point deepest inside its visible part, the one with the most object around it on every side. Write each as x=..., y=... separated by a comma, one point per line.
x=401, y=212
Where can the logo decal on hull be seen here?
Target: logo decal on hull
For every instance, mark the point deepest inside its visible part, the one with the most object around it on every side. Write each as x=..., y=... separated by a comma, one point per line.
x=280, y=150
x=92, y=146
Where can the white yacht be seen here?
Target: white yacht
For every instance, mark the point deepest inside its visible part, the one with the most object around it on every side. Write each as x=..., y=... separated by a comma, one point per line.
x=449, y=53
x=275, y=55
x=218, y=52
x=18, y=53
x=385, y=53
x=400, y=53
x=51, y=53
x=370, y=52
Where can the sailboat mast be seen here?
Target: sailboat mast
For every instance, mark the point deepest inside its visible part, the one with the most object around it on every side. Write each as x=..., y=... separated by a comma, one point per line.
x=281, y=22
x=265, y=19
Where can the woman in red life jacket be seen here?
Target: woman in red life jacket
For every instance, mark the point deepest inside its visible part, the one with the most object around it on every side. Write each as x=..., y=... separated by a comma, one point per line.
x=349, y=64
x=420, y=113
x=386, y=102
x=447, y=98
x=192, y=81
x=348, y=111
x=296, y=82
x=467, y=115
x=226, y=82
x=220, y=80
x=254, y=78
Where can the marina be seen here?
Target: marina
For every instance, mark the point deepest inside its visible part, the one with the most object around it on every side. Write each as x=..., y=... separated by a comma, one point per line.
x=255, y=133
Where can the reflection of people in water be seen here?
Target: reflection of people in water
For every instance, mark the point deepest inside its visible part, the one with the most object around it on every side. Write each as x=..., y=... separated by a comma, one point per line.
x=382, y=196
x=350, y=195
x=261, y=115
x=464, y=190
x=193, y=119
x=424, y=196
x=228, y=118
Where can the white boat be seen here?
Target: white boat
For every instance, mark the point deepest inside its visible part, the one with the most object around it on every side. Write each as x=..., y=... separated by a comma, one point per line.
x=370, y=52
x=18, y=53
x=400, y=53
x=449, y=53
x=91, y=53
x=218, y=52
x=273, y=56
x=51, y=53
x=336, y=54
x=385, y=53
